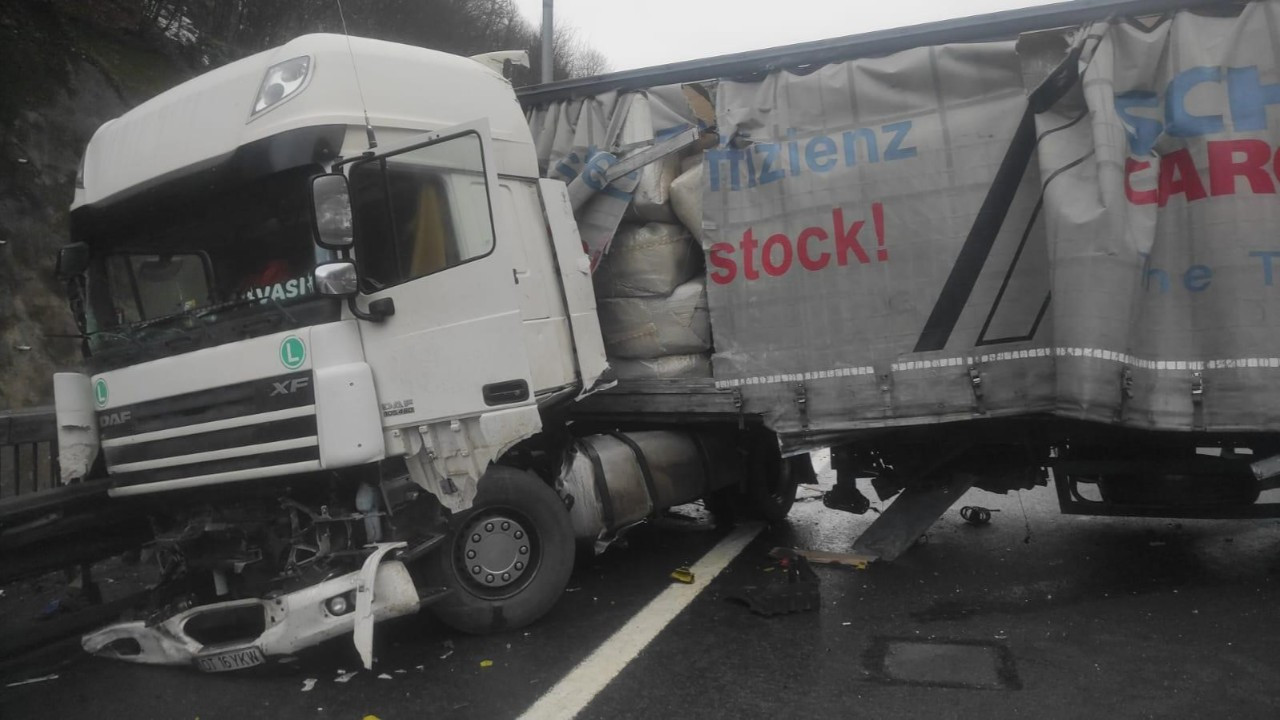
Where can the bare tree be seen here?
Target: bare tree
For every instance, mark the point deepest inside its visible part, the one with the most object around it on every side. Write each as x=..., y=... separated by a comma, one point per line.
x=230, y=29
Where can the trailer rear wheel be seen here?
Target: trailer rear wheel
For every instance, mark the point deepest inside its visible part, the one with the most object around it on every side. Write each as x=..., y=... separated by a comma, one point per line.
x=775, y=481
x=770, y=487
x=507, y=559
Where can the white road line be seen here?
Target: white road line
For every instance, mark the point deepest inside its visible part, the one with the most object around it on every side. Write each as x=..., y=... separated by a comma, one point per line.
x=592, y=675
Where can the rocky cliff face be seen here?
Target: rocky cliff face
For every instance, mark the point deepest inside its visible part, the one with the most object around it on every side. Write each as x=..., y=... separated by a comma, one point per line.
x=65, y=68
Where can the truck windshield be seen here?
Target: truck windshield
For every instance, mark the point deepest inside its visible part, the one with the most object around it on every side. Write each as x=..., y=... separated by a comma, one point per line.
x=196, y=258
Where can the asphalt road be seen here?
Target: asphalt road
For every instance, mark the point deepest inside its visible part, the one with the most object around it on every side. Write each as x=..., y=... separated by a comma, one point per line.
x=1080, y=617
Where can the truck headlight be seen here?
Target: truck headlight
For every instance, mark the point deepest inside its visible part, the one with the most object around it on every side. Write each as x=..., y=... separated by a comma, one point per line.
x=282, y=81
x=340, y=605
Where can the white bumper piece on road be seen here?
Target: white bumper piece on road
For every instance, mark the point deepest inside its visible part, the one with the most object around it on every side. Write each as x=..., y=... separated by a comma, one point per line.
x=378, y=591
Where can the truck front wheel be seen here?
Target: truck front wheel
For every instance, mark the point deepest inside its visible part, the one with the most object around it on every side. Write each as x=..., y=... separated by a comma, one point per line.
x=507, y=559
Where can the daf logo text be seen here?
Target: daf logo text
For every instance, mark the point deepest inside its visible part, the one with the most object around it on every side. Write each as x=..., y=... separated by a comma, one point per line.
x=288, y=387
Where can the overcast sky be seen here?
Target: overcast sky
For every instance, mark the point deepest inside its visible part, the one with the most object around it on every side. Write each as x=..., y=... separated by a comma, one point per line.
x=640, y=33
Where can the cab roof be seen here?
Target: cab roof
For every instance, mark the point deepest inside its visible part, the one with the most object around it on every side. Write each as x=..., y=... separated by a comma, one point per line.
x=405, y=89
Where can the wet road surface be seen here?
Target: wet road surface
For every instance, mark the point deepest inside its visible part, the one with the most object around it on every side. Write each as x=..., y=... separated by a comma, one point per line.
x=1075, y=617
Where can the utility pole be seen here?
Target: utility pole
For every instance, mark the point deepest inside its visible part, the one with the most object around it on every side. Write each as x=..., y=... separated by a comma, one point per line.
x=547, y=33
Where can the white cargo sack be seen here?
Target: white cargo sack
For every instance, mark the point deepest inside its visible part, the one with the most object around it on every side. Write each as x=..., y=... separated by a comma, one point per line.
x=671, y=366
x=686, y=199
x=650, y=200
x=653, y=194
x=647, y=261
x=643, y=328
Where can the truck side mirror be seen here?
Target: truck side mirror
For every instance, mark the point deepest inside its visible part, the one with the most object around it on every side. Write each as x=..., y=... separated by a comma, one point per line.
x=73, y=259
x=331, y=211
x=336, y=279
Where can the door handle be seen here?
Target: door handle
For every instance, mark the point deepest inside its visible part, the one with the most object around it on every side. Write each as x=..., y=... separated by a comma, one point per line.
x=505, y=392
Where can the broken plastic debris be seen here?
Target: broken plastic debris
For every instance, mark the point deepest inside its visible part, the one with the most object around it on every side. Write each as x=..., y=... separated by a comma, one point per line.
x=446, y=654
x=854, y=560
x=308, y=684
x=29, y=681
x=384, y=676
x=682, y=574
x=344, y=677
x=370, y=717
x=486, y=663
x=401, y=672
x=22, y=348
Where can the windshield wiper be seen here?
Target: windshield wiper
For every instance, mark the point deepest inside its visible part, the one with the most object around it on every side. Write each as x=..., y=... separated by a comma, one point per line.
x=107, y=333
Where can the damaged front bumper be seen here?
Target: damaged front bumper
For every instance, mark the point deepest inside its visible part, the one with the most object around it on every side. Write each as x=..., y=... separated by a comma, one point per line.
x=351, y=603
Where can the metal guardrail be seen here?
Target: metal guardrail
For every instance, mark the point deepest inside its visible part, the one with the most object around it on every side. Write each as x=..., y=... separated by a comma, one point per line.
x=28, y=451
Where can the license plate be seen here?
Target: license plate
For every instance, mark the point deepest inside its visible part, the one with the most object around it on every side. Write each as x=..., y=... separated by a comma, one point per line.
x=231, y=660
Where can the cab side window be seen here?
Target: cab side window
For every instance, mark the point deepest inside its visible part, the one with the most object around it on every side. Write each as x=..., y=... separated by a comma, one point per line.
x=421, y=211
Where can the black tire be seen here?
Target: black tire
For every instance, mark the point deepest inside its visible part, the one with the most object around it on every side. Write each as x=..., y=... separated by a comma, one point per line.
x=770, y=489
x=513, y=509
x=773, y=486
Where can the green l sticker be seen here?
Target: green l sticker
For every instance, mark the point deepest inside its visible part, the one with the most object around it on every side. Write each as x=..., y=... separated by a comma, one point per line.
x=292, y=352
x=100, y=392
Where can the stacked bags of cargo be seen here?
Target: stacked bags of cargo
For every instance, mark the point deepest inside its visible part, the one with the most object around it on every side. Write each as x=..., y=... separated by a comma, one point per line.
x=649, y=275
x=651, y=281
x=652, y=301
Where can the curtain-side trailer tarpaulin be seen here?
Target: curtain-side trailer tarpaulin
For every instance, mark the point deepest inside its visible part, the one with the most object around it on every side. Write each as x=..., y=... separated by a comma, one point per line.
x=1079, y=222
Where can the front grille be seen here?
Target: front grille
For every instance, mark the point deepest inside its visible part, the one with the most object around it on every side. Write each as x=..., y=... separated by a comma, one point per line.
x=247, y=398
x=227, y=625
x=247, y=426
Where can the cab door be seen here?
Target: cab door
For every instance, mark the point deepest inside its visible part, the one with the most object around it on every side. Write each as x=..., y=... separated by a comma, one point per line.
x=425, y=239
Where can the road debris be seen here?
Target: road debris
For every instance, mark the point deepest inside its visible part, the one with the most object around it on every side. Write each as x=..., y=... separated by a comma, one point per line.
x=384, y=676
x=486, y=663
x=683, y=574
x=854, y=560
x=308, y=684
x=344, y=677
x=798, y=592
x=976, y=514
x=32, y=681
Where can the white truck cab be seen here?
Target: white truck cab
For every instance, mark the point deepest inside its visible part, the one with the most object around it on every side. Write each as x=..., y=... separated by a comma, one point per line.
x=323, y=291
x=208, y=341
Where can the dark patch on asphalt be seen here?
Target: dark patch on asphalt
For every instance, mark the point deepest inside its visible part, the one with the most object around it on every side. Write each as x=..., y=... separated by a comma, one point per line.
x=1169, y=561
x=958, y=664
